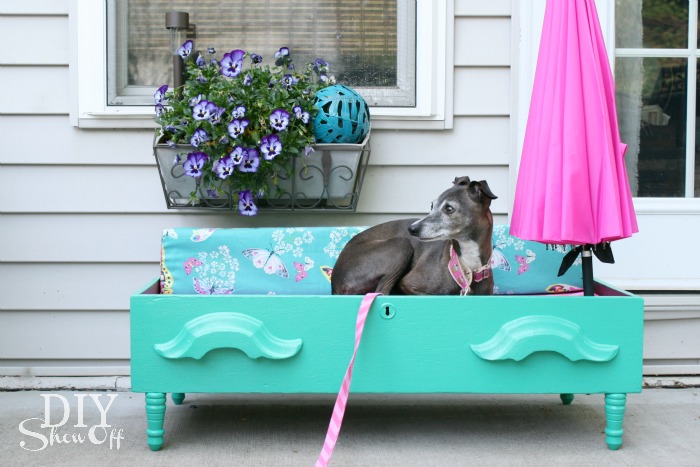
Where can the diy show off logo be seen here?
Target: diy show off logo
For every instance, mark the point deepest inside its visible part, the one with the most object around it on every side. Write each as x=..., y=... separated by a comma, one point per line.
x=39, y=436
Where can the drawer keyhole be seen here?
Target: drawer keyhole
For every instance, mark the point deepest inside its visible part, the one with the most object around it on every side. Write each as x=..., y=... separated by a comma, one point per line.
x=387, y=311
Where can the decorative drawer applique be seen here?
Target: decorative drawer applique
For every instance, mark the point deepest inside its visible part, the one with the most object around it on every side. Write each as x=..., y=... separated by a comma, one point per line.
x=518, y=339
x=227, y=330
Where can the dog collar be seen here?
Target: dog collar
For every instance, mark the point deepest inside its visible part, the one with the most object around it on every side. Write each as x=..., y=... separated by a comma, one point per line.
x=464, y=280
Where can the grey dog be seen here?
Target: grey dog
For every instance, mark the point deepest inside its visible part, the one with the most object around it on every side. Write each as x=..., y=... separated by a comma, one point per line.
x=413, y=257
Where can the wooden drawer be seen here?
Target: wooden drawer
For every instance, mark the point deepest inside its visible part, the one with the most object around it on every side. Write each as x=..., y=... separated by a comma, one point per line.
x=302, y=344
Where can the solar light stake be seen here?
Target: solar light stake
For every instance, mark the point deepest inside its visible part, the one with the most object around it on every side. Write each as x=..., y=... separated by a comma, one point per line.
x=177, y=23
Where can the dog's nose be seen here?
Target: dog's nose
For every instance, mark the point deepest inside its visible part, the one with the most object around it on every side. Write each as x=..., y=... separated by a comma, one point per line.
x=413, y=229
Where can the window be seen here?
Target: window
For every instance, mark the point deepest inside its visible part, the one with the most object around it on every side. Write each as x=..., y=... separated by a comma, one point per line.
x=395, y=52
x=370, y=44
x=656, y=76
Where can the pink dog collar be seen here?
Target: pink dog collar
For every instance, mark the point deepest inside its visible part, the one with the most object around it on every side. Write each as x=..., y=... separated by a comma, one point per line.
x=463, y=279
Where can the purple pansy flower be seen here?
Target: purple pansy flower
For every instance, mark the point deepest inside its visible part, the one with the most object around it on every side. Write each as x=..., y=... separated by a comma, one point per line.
x=308, y=150
x=238, y=112
x=320, y=65
x=297, y=110
x=198, y=137
x=194, y=163
x=203, y=110
x=211, y=50
x=215, y=117
x=281, y=56
x=212, y=193
x=237, y=155
x=305, y=117
x=246, y=206
x=159, y=95
x=200, y=61
x=237, y=127
x=279, y=119
x=248, y=80
x=185, y=49
x=270, y=146
x=282, y=52
x=250, y=162
x=232, y=63
x=288, y=81
x=255, y=58
x=196, y=100
x=160, y=110
x=224, y=167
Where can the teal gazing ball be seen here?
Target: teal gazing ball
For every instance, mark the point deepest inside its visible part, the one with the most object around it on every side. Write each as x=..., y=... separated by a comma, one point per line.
x=343, y=116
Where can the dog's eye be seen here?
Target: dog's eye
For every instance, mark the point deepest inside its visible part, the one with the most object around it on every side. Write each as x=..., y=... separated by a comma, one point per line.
x=448, y=209
x=431, y=206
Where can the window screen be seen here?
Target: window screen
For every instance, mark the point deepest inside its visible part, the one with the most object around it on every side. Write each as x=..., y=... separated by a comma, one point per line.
x=370, y=44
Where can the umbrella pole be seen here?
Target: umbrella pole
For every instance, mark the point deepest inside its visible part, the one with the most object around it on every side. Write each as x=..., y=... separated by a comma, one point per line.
x=587, y=264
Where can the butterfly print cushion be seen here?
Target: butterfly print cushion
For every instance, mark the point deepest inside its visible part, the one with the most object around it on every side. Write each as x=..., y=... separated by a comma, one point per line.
x=523, y=267
x=300, y=261
x=251, y=260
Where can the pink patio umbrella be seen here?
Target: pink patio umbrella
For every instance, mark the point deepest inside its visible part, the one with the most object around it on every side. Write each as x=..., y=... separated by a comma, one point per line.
x=572, y=184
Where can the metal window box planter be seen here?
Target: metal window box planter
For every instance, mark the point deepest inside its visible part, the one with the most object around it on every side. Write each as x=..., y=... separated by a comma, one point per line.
x=328, y=180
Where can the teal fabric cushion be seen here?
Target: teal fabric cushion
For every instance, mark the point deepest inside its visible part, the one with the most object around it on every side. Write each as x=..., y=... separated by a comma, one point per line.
x=299, y=261
x=523, y=267
x=294, y=261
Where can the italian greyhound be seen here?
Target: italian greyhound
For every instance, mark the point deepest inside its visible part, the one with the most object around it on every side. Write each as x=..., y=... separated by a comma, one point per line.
x=447, y=252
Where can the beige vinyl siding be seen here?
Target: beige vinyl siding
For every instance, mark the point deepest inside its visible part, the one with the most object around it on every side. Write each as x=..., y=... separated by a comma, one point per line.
x=82, y=212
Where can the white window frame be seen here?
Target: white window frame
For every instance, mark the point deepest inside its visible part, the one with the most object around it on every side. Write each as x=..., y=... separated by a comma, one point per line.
x=636, y=266
x=434, y=73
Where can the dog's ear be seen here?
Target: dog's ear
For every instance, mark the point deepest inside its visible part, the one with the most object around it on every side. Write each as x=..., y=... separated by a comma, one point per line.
x=461, y=181
x=480, y=190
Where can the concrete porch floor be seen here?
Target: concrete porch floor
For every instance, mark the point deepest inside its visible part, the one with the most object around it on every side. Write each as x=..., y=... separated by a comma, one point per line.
x=662, y=427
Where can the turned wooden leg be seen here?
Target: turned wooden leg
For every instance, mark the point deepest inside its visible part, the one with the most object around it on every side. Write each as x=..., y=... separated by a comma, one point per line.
x=155, y=414
x=566, y=398
x=178, y=397
x=614, y=415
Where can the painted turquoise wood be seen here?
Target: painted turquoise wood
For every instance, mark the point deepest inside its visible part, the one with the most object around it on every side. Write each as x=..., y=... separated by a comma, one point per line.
x=227, y=331
x=178, y=398
x=566, y=398
x=614, y=415
x=524, y=336
x=155, y=415
x=563, y=345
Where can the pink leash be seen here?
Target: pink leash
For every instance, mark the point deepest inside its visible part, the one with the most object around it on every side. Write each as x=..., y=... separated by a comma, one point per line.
x=342, y=399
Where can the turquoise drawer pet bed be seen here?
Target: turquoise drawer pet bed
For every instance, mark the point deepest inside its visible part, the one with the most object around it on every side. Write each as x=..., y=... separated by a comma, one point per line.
x=249, y=311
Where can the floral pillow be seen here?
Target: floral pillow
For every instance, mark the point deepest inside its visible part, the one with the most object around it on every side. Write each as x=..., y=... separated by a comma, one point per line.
x=525, y=267
x=295, y=261
x=299, y=261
